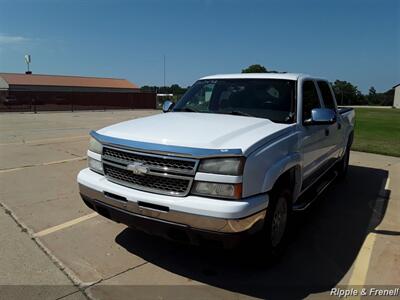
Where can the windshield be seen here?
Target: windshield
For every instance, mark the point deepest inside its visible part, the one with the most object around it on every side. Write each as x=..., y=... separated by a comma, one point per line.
x=272, y=99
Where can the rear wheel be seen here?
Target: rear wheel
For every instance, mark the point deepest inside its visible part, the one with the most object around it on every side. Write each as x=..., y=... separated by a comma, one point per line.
x=343, y=164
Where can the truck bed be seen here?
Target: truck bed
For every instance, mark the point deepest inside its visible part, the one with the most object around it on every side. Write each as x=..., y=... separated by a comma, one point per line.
x=343, y=110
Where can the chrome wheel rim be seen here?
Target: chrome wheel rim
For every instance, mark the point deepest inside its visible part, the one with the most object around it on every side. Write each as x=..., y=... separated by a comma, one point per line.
x=279, y=220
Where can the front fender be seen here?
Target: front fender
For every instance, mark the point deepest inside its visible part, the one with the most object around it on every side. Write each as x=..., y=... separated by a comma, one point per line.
x=277, y=169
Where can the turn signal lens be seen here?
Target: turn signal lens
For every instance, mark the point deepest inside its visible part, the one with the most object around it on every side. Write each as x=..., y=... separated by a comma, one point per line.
x=95, y=165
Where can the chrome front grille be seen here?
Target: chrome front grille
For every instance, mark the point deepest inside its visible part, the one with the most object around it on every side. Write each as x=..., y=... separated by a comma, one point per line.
x=163, y=174
x=156, y=162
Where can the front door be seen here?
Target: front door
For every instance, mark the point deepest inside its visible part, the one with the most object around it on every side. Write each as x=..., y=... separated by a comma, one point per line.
x=334, y=138
x=313, y=138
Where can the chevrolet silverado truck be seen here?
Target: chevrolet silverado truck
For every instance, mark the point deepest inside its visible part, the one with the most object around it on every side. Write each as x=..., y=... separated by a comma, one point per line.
x=231, y=159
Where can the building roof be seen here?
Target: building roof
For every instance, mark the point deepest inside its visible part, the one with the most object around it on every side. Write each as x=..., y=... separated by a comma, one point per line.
x=396, y=86
x=65, y=81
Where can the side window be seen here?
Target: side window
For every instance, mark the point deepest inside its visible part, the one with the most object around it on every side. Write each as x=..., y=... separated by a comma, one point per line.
x=310, y=99
x=326, y=94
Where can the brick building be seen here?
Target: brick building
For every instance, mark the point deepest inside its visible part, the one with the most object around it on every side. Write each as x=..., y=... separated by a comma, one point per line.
x=25, y=92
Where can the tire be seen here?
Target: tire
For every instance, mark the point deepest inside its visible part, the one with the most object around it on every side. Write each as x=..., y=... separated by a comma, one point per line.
x=343, y=164
x=277, y=222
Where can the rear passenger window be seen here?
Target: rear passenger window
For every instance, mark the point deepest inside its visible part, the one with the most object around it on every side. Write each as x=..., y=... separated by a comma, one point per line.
x=326, y=94
x=310, y=99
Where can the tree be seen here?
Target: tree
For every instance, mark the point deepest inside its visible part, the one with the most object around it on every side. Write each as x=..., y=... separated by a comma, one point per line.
x=372, y=91
x=255, y=69
x=347, y=94
x=173, y=89
x=373, y=98
x=177, y=90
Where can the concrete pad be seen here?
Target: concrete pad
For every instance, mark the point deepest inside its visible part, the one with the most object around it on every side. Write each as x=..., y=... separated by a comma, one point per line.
x=26, y=272
x=75, y=296
x=384, y=266
x=20, y=127
x=89, y=249
x=14, y=156
x=151, y=282
x=149, y=274
x=372, y=160
x=44, y=196
x=40, y=292
x=74, y=147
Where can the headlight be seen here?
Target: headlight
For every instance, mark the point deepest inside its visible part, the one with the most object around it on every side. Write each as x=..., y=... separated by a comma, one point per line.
x=95, y=146
x=95, y=165
x=220, y=190
x=224, y=166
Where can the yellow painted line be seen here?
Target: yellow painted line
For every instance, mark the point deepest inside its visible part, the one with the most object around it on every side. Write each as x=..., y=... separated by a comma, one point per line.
x=65, y=225
x=47, y=141
x=361, y=264
x=44, y=164
x=387, y=183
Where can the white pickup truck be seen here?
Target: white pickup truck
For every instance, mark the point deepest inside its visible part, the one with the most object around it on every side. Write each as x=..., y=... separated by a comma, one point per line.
x=233, y=157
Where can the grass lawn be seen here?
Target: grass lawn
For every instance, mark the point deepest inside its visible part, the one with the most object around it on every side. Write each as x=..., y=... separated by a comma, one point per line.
x=377, y=130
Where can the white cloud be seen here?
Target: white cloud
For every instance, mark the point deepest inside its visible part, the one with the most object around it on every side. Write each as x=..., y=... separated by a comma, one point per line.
x=10, y=39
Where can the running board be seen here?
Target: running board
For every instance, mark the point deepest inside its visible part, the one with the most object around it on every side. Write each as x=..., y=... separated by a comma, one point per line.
x=306, y=199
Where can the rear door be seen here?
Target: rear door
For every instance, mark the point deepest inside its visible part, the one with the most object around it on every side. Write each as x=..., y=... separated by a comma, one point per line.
x=334, y=137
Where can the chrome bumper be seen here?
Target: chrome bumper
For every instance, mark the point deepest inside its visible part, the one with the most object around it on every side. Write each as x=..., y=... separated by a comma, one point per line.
x=220, y=225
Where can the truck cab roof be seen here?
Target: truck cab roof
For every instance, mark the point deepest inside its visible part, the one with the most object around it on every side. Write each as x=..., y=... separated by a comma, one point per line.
x=287, y=76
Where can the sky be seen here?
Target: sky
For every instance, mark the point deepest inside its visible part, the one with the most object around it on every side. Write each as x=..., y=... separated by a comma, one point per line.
x=352, y=40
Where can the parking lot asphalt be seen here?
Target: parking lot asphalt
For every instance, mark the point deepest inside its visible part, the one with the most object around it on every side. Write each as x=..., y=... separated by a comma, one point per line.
x=52, y=242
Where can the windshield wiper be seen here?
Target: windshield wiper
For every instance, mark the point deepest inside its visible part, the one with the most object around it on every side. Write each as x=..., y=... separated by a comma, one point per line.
x=237, y=113
x=290, y=118
x=187, y=109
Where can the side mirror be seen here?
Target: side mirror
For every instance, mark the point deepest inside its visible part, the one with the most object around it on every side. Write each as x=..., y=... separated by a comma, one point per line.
x=168, y=105
x=322, y=116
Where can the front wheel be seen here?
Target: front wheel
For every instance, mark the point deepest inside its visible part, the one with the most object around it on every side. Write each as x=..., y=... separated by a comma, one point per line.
x=277, y=222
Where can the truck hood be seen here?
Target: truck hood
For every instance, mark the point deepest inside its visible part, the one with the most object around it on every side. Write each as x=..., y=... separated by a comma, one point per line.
x=198, y=130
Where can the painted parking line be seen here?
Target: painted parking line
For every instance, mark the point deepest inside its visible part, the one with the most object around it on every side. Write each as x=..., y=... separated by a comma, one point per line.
x=361, y=265
x=43, y=164
x=47, y=141
x=65, y=225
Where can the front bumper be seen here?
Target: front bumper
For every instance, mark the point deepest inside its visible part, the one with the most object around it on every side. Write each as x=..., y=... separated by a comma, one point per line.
x=114, y=202
x=169, y=230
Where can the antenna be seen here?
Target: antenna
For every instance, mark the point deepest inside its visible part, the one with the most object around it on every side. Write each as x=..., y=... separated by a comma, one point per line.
x=28, y=61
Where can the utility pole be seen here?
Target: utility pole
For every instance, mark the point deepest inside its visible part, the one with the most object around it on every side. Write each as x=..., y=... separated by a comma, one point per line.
x=164, y=71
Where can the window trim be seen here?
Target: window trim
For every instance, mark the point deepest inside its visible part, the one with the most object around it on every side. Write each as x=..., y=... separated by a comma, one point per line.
x=322, y=98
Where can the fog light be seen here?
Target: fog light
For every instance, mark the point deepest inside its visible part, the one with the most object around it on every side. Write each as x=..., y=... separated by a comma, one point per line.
x=95, y=165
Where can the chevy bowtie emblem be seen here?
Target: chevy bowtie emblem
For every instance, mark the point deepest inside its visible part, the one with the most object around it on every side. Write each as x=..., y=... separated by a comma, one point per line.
x=138, y=168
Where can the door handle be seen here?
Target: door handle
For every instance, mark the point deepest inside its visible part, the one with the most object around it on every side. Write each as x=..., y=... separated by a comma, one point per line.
x=339, y=126
x=326, y=132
